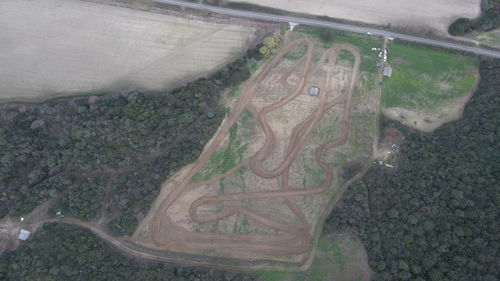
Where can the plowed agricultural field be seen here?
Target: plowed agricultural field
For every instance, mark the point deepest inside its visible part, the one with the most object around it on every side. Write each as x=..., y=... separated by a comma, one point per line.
x=433, y=15
x=60, y=47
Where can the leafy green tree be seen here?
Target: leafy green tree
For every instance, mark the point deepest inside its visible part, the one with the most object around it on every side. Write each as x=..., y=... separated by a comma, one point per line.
x=436, y=216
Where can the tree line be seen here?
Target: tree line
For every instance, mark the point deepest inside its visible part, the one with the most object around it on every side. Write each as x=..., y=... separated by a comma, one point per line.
x=67, y=252
x=488, y=20
x=108, y=155
x=436, y=217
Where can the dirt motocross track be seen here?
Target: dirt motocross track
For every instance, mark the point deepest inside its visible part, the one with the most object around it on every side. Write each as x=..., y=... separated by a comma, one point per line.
x=289, y=239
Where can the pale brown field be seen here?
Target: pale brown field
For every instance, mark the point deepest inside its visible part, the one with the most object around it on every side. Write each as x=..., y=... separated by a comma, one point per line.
x=424, y=15
x=59, y=47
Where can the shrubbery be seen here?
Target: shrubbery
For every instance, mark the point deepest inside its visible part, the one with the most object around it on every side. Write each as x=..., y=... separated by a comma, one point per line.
x=111, y=154
x=489, y=20
x=436, y=217
x=66, y=252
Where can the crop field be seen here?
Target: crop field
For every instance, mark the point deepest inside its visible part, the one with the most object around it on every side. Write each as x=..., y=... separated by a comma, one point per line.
x=420, y=16
x=279, y=161
x=61, y=47
x=431, y=84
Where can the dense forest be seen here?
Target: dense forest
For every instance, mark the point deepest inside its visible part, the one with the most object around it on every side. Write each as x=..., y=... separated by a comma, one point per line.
x=436, y=217
x=66, y=252
x=107, y=155
x=488, y=20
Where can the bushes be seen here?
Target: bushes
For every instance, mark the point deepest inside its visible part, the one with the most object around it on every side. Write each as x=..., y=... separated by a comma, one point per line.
x=436, y=217
x=67, y=252
x=114, y=151
x=489, y=20
x=460, y=27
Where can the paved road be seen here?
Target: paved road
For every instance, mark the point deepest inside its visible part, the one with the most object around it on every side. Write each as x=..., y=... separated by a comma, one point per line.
x=341, y=26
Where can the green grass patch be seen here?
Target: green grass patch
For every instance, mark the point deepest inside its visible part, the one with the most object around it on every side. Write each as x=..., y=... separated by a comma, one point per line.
x=314, y=175
x=341, y=158
x=490, y=38
x=242, y=225
x=346, y=56
x=296, y=53
x=363, y=42
x=328, y=128
x=424, y=79
x=253, y=65
x=233, y=91
x=245, y=117
x=334, y=257
x=225, y=158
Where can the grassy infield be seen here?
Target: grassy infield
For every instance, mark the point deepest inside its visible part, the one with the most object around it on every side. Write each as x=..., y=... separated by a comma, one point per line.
x=224, y=158
x=415, y=83
x=425, y=79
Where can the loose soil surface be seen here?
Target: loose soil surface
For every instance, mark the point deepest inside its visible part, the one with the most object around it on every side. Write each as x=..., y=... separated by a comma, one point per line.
x=190, y=203
x=60, y=47
x=259, y=213
x=424, y=15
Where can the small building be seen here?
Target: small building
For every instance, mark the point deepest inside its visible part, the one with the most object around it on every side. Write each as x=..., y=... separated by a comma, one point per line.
x=24, y=234
x=313, y=91
x=388, y=71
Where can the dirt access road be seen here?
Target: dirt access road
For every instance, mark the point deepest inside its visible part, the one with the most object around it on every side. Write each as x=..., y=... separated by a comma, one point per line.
x=166, y=234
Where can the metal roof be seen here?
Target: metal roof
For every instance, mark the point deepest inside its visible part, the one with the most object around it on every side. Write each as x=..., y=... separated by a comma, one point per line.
x=24, y=234
x=313, y=91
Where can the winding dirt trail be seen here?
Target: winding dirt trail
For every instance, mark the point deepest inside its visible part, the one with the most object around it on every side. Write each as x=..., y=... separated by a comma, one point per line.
x=173, y=243
x=292, y=239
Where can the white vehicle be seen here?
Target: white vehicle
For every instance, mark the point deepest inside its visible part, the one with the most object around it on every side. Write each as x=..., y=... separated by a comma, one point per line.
x=369, y=33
